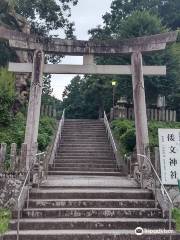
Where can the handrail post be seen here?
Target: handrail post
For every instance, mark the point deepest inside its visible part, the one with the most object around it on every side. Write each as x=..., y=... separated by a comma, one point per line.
x=26, y=181
x=18, y=222
x=111, y=138
x=170, y=205
x=57, y=139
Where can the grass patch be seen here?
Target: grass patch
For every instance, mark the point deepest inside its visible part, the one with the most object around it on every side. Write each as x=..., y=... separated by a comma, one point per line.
x=176, y=217
x=5, y=216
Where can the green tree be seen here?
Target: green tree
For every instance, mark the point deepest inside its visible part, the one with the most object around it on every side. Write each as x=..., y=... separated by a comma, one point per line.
x=73, y=98
x=139, y=23
x=95, y=92
x=42, y=17
x=167, y=10
x=7, y=96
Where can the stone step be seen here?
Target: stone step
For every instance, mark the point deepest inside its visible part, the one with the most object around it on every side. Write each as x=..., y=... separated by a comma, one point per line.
x=91, y=193
x=89, y=138
x=85, y=148
x=91, y=203
x=81, y=154
x=79, y=234
x=104, y=150
x=87, y=156
x=83, y=139
x=91, y=121
x=85, y=145
x=83, y=123
x=90, y=213
x=78, y=153
x=89, y=182
x=90, y=223
x=84, y=134
x=84, y=142
x=84, y=164
x=74, y=161
x=84, y=129
x=86, y=173
x=83, y=168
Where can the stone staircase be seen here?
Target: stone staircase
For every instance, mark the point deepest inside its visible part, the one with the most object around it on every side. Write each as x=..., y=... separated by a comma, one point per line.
x=84, y=150
x=86, y=197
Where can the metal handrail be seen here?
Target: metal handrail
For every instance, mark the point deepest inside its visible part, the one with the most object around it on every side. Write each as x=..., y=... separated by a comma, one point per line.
x=57, y=138
x=27, y=178
x=162, y=188
x=110, y=136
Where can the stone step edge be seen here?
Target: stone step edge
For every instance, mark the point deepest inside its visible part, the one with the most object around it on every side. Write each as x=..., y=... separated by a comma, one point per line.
x=92, y=200
x=82, y=232
x=96, y=209
x=105, y=220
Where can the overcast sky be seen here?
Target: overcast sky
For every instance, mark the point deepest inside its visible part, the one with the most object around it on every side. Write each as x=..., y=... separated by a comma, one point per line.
x=86, y=15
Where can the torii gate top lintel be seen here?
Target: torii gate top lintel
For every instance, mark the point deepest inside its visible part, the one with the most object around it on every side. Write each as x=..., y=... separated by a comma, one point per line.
x=23, y=41
x=87, y=49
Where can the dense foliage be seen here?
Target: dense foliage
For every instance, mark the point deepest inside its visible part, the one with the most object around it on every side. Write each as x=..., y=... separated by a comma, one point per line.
x=130, y=18
x=42, y=17
x=14, y=132
x=124, y=132
x=7, y=96
x=87, y=97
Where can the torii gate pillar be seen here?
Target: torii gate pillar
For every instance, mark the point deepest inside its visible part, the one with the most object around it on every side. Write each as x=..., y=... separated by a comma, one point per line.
x=141, y=123
x=33, y=114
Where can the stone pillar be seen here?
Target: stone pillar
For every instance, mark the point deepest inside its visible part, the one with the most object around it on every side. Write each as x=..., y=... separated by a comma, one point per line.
x=22, y=158
x=139, y=103
x=32, y=124
x=54, y=113
x=3, y=147
x=142, y=138
x=13, y=156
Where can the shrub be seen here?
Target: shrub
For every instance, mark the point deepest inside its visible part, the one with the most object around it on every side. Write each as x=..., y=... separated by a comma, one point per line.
x=5, y=216
x=124, y=132
x=15, y=131
x=46, y=129
x=120, y=127
x=7, y=96
x=176, y=216
x=128, y=140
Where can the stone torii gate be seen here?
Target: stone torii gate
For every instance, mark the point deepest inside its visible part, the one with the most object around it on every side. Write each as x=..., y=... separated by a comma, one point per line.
x=87, y=49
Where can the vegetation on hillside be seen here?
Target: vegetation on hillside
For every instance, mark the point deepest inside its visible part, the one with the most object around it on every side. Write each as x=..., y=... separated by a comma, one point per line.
x=124, y=132
x=12, y=123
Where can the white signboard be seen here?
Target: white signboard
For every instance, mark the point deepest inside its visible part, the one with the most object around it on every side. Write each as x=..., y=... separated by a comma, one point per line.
x=169, y=147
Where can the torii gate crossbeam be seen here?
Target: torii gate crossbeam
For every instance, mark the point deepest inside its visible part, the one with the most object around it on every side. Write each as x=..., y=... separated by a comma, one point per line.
x=87, y=49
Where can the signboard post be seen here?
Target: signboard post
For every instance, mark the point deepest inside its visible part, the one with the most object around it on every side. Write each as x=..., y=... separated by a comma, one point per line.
x=169, y=147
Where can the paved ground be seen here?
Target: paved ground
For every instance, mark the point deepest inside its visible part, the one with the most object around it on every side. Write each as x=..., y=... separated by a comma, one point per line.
x=90, y=181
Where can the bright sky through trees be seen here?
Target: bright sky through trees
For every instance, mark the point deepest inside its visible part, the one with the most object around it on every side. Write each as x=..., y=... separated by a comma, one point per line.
x=86, y=15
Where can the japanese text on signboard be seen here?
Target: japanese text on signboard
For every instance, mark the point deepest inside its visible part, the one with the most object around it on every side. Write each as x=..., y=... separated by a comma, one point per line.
x=169, y=146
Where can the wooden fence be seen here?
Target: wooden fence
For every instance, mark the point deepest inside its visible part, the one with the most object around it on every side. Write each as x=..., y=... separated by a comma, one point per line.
x=156, y=114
